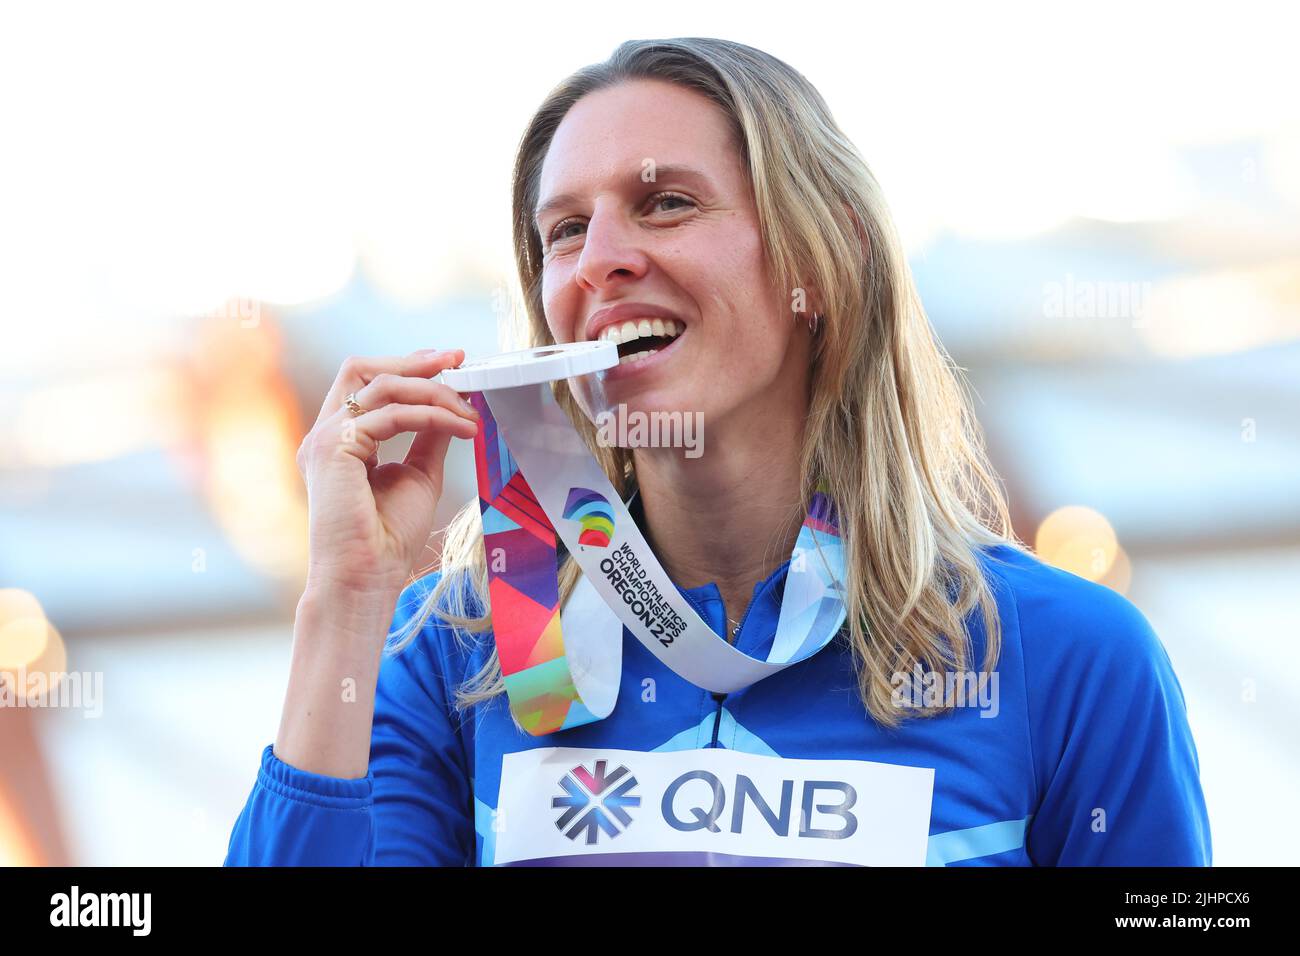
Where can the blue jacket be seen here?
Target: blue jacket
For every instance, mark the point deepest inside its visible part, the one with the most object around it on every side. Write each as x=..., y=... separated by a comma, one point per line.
x=1088, y=759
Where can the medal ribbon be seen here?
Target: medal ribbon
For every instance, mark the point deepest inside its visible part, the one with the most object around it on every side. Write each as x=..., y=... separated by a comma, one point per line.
x=562, y=666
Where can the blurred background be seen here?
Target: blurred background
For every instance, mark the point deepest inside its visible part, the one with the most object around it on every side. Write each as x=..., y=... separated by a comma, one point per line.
x=204, y=210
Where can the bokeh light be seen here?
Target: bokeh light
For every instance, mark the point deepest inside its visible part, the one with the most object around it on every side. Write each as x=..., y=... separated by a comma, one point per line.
x=16, y=603
x=24, y=632
x=29, y=645
x=23, y=641
x=1120, y=576
x=33, y=680
x=1077, y=539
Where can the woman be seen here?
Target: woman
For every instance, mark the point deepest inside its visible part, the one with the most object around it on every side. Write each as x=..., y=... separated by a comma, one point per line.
x=704, y=183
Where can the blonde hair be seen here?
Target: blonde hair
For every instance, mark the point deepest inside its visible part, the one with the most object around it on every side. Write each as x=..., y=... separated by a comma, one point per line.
x=890, y=426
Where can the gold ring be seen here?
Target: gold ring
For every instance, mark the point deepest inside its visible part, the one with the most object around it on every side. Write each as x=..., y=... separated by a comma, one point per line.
x=351, y=403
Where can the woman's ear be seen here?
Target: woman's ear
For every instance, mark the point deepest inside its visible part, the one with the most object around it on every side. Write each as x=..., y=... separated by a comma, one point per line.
x=805, y=302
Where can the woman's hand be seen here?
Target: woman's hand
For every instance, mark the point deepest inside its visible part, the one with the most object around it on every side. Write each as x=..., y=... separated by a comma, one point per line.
x=368, y=526
x=369, y=523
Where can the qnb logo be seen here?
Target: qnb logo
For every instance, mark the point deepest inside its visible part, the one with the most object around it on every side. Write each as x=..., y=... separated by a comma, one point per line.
x=595, y=802
x=776, y=813
x=590, y=509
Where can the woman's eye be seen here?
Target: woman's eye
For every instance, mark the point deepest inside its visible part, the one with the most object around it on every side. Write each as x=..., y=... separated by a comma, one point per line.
x=669, y=197
x=557, y=233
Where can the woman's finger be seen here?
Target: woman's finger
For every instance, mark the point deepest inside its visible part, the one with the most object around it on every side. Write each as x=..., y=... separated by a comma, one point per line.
x=362, y=434
x=428, y=451
x=359, y=371
x=387, y=388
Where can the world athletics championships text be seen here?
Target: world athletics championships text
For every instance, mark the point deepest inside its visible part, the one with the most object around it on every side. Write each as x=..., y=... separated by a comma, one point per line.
x=623, y=570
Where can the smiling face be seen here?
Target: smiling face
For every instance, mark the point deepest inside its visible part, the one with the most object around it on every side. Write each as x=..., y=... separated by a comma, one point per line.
x=684, y=249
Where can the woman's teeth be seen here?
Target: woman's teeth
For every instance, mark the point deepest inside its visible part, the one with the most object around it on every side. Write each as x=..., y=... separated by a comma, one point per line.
x=635, y=357
x=635, y=329
x=641, y=329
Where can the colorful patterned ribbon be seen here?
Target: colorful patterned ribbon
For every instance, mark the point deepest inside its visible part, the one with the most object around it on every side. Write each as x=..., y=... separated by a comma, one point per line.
x=551, y=690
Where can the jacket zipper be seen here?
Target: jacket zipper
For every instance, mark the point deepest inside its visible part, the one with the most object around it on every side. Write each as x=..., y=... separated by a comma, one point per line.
x=720, y=697
x=735, y=638
x=717, y=718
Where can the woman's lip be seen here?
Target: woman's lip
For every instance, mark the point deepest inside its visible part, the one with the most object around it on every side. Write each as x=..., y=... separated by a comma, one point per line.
x=624, y=370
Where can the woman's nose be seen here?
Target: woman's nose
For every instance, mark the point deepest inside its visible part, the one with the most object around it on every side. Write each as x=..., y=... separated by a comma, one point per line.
x=611, y=251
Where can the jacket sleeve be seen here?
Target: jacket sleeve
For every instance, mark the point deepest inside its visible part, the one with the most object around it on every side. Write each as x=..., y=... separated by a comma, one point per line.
x=412, y=808
x=1117, y=768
